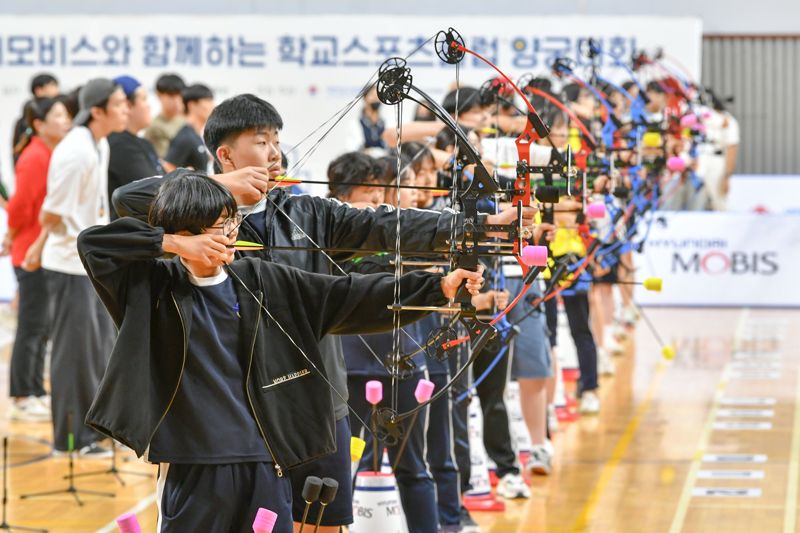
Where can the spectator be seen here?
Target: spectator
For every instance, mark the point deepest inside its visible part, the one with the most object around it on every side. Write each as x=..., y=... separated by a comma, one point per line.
x=48, y=122
x=132, y=157
x=77, y=198
x=187, y=149
x=170, y=120
x=42, y=86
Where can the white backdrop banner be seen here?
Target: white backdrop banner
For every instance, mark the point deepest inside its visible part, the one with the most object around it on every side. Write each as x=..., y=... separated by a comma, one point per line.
x=764, y=193
x=308, y=67
x=722, y=259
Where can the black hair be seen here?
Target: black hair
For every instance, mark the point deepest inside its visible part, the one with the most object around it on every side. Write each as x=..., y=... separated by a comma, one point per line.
x=555, y=117
x=446, y=138
x=352, y=167
x=235, y=116
x=388, y=169
x=191, y=202
x=416, y=153
x=195, y=92
x=655, y=86
x=468, y=99
x=36, y=109
x=40, y=80
x=71, y=101
x=170, y=84
x=628, y=85
x=571, y=92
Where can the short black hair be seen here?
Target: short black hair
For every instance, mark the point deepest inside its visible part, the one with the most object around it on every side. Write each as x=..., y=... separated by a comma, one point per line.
x=655, y=87
x=40, y=80
x=190, y=202
x=195, y=92
x=628, y=85
x=349, y=168
x=446, y=138
x=388, y=169
x=417, y=153
x=170, y=84
x=468, y=99
x=235, y=116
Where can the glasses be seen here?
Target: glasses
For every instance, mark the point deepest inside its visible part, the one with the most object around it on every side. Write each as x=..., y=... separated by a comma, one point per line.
x=229, y=225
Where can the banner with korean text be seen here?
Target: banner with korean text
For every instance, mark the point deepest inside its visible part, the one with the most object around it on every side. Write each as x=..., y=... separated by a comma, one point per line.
x=311, y=66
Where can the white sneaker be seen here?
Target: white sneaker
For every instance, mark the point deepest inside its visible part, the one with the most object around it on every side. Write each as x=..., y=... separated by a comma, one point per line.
x=619, y=331
x=630, y=315
x=548, y=446
x=29, y=410
x=552, y=418
x=540, y=461
x=590, y=403
x=604, y=363
x=611, y=344
x=512, y=486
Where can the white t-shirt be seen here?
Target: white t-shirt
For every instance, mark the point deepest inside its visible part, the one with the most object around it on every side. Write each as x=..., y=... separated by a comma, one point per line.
x=503, y=151
x=77, y=190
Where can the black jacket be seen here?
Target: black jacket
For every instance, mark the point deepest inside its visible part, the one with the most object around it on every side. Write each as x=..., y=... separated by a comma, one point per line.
x=150, y=302
x=331, y=224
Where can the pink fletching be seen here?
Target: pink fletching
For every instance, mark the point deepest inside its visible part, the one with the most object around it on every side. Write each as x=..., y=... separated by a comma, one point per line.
x=424, y=390
x=534, y=256
x=687, y=121
x=596, y=210
x=676, y=164
x=128, y=523
x=265, y=521
x=374, y=392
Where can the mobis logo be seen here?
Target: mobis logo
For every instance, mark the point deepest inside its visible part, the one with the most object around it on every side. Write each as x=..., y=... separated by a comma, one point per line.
x=718, y=262
x=714, y=258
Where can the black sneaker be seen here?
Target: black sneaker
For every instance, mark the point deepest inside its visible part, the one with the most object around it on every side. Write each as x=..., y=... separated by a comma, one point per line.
x=468, y=525
x=94, y=451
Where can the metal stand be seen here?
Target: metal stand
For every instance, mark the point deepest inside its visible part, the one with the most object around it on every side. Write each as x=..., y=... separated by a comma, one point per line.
x=71, y=489
x=113, y=470
x=5, y=526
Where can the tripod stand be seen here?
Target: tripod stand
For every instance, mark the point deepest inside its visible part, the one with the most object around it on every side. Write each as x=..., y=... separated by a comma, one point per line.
x=113, y=470
x=71, y=489
x=5, y=526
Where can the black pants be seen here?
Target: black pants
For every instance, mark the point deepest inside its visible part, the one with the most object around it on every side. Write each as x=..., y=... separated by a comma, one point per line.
x=460, y=418
x=83, y=335
x=496, y=432
x=577, y=309
x=30, y=343
x=441, y=456
x=221, y=498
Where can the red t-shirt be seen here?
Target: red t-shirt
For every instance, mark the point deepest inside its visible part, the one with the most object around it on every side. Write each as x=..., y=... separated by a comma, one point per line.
x=24, y=206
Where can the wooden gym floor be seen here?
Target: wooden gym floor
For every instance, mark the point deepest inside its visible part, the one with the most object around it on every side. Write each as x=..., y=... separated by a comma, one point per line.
x=707, y=442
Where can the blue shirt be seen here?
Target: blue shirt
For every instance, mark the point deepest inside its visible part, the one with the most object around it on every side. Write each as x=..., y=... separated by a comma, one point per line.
x=210, y=420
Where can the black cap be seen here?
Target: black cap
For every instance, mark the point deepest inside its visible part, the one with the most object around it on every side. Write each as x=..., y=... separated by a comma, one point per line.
x=329, y=488
x=311, y=489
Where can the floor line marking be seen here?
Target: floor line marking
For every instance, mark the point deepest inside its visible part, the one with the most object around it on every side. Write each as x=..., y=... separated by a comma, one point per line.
x=618, y=452
x=790, y=509
x=143, y=504
x=705, y=436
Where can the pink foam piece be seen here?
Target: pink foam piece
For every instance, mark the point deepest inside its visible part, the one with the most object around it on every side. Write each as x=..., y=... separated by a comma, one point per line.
x=424, y=390
x=534, y=256
x=676, y=164
x=128, y=523
x=596, y=210
x=265, y=521
x=374, y=392
x=687, y=121
x=700, y=128
x=706, y=114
